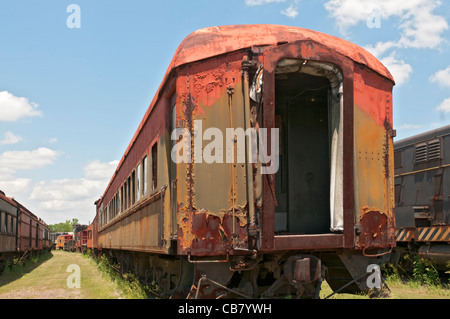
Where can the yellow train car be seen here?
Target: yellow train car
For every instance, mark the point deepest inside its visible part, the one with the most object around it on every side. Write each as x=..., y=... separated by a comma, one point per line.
x=61, y=240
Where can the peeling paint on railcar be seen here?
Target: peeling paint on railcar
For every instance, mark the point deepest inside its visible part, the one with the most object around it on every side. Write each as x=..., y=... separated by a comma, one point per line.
x=212, y=204
x=374, y=191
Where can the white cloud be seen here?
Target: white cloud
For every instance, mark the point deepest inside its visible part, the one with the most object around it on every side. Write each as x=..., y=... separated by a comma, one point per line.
x=442, y=77
x=416, y=21
x=380, y=48
x=64, y=191
x=22, y=160
x=13, y=161
x=14, y=185
x=444, y=106
x=290, y=11
x=400, y=70
x=252, y=3
x=418, y=25
x=63, y=199
x=10, y=138
x=97, y=170
x=13, y=108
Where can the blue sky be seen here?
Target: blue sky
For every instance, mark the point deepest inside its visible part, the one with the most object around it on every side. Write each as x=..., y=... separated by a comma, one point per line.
x=72, y=98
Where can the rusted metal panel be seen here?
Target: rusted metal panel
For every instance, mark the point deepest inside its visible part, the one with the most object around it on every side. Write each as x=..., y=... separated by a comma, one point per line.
x=211, y=196
x=7, y=237
x=321, y=241
x=137, y=230
x=374, y=184
x=214, y=41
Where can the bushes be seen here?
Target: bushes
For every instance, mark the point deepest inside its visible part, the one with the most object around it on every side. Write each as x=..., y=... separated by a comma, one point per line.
x=129, y=283
x=422, y=272
x=425, y=273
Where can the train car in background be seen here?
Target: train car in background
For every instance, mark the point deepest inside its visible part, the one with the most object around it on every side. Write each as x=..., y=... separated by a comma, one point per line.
x=22, y=233
x=422, y=197
x=92, y=237
x=61, y=241
x=80, y=238
x=54, y=238
x=315, y=200
x=8, y=227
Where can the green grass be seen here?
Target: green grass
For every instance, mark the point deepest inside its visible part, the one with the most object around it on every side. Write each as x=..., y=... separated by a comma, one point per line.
x=423, y=283
x=129, y=283
x=46, y=278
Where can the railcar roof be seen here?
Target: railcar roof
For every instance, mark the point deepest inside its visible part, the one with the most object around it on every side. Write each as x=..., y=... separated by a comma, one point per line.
x=7, y=199
x=213, y=41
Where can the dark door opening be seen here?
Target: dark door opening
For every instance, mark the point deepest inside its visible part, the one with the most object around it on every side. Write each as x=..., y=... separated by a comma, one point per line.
x=302, y=182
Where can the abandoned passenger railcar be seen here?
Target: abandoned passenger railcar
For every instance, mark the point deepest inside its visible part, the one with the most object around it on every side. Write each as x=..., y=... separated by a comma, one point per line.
x=262, y=166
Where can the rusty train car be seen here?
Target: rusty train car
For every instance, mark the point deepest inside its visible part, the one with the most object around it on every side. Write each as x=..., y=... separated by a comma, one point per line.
x=92, y=236
x=80, y=238
x=62, y=241
x=422, y=192
x=22, y=233
x=206, y=214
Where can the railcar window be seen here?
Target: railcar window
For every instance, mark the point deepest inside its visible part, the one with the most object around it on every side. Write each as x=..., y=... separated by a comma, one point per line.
x=154, y=166
x=144, y=176
x=120, y=199
x=138, y=182
x=129, y=192
x=116, y=203
x=125, y=198
x=133, y=188
x=114, y=206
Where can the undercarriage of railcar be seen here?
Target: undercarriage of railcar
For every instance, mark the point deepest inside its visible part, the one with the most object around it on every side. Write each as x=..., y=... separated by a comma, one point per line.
x=282, y=275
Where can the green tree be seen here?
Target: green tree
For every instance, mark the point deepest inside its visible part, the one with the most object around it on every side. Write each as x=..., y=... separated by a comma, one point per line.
x=67, y=226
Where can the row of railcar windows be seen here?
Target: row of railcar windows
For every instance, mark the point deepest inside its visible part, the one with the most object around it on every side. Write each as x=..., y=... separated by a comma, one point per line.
x=133, y=190
x=7, y=223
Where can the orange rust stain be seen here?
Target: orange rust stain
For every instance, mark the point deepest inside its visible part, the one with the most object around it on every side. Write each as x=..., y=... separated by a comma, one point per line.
x=373, y=96
x=370, y=151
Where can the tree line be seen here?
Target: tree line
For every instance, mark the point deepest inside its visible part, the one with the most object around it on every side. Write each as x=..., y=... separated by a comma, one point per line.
x=67, y=226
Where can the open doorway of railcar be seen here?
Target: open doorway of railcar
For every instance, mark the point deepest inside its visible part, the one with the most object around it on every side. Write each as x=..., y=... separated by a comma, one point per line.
x=308, y=183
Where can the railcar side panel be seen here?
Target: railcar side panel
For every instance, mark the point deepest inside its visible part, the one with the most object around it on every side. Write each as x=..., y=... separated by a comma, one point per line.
x=373, y=156
x=144, y=224
x=212, y=189
x=8, y=225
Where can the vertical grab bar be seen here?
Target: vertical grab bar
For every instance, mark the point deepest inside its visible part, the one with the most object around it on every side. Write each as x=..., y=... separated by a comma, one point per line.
x=161, y=225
